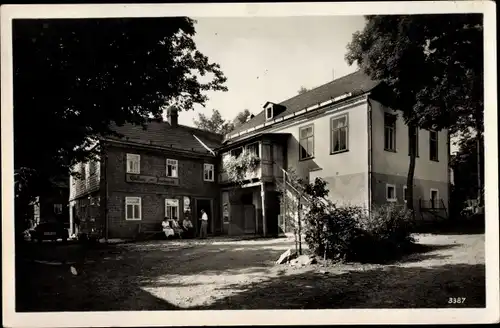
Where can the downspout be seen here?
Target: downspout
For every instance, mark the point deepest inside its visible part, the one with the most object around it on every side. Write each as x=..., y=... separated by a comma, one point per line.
x=370, y=156
x=106, y=223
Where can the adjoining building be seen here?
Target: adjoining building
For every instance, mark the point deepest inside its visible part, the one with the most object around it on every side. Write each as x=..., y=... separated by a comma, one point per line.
x=165, y=170
x=341, y=131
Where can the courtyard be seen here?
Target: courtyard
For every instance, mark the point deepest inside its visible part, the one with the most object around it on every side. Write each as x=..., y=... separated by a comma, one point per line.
x=221, y=273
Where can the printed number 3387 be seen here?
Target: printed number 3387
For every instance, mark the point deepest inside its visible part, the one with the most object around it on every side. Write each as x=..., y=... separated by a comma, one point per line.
x=456, y=300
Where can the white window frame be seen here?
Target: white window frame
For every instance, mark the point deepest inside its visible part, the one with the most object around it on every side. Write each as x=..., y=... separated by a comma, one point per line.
x=395, y=199
x=309, y=151
x=173, y=163
x=174, y=200
x=332, y=130
x=392, y=146
x=136, y=159
x=208, y=168
x=134, y=201
x=437, y=196
x=87, y=174
x=247, y=148
x=437, y=145
x=269, y=110
x=404, y=193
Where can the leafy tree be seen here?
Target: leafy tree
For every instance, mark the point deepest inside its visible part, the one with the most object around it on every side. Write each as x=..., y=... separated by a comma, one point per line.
x=73, y=77
x=241, y=118
x=433, y=66
x=215, y=123
x=302, y=90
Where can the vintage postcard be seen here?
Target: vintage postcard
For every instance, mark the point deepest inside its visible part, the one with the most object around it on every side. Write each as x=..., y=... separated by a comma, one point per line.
x=209, y=164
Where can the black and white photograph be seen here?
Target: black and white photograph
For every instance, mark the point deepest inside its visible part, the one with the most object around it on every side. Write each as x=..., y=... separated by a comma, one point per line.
x=172, y=161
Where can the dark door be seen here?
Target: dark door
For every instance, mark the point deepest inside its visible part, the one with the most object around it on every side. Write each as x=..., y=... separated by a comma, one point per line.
x=204, y=204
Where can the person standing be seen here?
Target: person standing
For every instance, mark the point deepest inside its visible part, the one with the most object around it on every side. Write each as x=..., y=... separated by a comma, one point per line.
x=204, y=224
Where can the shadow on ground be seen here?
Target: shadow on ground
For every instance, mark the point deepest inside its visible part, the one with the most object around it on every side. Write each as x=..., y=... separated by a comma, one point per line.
x=392, y=287
x=116, y=277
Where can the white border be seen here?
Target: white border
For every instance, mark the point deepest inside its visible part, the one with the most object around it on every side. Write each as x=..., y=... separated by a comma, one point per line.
x=392, y=200
x=177, y=318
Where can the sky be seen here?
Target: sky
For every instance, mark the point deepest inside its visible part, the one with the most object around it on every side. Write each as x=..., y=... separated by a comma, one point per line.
x=270, y=58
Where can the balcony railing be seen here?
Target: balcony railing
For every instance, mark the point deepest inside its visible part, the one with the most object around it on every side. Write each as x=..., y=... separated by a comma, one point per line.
x=249, y=175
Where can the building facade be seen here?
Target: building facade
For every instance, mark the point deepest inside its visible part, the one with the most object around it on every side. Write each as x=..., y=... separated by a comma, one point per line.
x=341, y=132
x=163, y=171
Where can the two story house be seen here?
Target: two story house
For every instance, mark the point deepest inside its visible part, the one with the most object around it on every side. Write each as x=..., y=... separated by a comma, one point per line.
x=165, y=170
x=344, y=133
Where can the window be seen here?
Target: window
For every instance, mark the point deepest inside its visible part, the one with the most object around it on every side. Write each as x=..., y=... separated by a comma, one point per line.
x=433, y=145
x=415, y=133
x=87, y=174
x=133, y=208
x=434, y=198
x=269, y=113
x=208, y=172
x=306, y=136
x=57, y=208
x=253, y=149
x=390, y=192
x=133, y=163
x=172, y=168
x=340, y=134
x=390, y=132
x=236, y=152
x=172, y=208
x=405, y=190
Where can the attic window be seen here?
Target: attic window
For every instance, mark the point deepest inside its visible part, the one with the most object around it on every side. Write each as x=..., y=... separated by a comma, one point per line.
x=269, y=112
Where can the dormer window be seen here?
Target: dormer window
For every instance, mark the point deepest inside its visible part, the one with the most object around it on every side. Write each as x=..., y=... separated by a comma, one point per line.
x=269, y=112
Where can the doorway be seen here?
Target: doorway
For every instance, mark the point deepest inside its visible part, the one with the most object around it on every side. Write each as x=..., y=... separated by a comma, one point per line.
x=206, y=205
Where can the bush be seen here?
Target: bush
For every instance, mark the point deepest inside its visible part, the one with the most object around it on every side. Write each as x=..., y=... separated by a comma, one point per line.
x=348, y=233
x=385, y=235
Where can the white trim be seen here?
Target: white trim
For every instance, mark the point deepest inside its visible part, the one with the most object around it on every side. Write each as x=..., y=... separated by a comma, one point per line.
x=137, y=201
x=395, y=199
x=134, y=158
x=404, y=193
x=177, y=206
x=204, y=145
x=174, y=163
x=210, y=168
x=337, y=117
x=430, y=193
x=268, y=117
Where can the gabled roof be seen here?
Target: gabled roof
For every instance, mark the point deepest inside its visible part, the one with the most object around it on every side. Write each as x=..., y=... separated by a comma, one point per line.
x=162, y=134
x=356, y=83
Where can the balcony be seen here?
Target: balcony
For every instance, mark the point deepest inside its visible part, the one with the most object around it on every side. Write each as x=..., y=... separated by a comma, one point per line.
x=249, y=175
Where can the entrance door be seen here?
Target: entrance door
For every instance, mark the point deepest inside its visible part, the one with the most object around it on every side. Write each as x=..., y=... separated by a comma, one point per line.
x=206, y=205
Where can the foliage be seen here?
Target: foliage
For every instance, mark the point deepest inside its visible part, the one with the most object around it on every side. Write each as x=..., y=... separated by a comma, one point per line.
x=465, y=174
x=431, y=64
x=302, y=90
x=73, y=77
x=215, y=123
x=241, y=118
x=349, y=233
x=237, y=168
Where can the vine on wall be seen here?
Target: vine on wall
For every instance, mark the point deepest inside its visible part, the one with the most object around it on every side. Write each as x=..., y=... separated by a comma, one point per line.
x=237, y=168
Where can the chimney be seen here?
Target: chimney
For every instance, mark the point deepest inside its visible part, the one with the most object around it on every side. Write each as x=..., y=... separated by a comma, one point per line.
x=172, y=116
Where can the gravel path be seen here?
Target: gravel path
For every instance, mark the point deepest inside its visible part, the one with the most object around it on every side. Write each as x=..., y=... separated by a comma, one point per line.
x=225, y=274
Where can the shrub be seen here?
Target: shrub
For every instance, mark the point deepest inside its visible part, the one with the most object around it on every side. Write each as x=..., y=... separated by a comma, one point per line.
x=348, y=233
x=386, y=234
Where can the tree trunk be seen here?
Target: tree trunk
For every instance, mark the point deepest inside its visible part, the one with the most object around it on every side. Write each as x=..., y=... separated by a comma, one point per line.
x=299, y=226
x=411, y=169
x=479, y=131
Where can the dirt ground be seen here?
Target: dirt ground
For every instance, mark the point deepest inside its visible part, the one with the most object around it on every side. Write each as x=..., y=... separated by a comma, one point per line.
x=229, y=274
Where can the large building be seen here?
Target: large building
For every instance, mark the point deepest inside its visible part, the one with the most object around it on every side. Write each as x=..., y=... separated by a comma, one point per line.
x=341, y=131
x=165, y=170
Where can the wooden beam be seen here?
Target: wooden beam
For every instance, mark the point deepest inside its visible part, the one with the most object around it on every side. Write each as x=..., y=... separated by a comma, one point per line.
x=263, y=197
